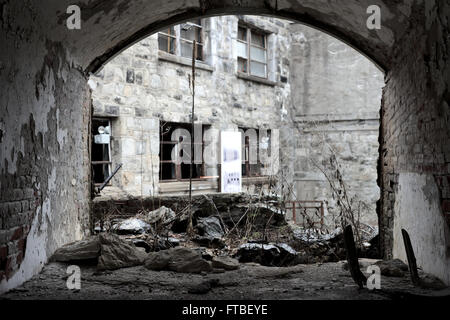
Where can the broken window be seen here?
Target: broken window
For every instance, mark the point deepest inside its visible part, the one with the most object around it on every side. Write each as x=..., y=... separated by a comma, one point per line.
x=253, y=143
x=101, y=150
x=167, y=40
x=187, y=33
x=252, y=52
x=174, y=152
x=190, y=31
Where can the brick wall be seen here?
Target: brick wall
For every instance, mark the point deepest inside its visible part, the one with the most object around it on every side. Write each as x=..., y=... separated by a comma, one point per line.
x=415, y=113
x=17, y=215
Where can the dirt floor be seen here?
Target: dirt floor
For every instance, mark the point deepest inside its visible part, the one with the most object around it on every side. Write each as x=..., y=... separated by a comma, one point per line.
x=328, y=281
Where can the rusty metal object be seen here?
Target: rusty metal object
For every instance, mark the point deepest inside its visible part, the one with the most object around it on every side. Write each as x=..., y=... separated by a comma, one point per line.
x=411, y=258
x=99, y=189
x=306, y=204
x=352, y=257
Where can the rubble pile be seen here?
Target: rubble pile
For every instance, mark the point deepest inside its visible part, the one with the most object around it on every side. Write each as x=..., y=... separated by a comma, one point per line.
x=227, y=230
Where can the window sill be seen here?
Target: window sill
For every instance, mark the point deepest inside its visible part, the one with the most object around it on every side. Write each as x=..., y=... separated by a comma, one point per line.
x=245, y=76
x=164, y=56
x=257, y=180
x=182, y=187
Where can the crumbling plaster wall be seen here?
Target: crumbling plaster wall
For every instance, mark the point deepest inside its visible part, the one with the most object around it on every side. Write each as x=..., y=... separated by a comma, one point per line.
x=336, y=98
x=44, y=176
x=412, y=46
x=415, y=143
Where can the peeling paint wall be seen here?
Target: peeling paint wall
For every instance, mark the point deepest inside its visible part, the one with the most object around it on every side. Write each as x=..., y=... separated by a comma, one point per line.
x=40, y=65
x=418, y=197
x=45, y=110
x=415, y=141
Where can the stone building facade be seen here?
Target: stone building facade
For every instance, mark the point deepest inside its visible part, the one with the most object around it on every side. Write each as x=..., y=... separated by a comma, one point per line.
x=146, y=90
x=336, y=100
x=44, y=72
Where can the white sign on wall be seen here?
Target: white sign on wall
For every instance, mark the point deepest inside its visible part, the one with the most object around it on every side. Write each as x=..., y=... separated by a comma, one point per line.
x=231, y=161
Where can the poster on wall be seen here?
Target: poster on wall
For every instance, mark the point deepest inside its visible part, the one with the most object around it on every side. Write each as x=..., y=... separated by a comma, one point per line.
x=231, y=161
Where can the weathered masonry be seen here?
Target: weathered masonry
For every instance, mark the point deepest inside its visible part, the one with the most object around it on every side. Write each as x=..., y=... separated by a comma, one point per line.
x=144, y=95
x=45, y=113
x=246, y=69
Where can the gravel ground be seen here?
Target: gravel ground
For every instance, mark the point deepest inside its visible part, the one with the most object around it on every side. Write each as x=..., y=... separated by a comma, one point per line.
x=326, y=281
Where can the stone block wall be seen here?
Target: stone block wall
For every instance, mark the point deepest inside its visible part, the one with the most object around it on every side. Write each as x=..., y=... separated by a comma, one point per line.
x=336, y=105
x=143, y=86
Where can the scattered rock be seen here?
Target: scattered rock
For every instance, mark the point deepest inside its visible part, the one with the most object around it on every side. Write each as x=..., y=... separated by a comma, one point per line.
x=428, y=281
x=178, y=259
x=185, y=260
x=131, y=226
x=88, y=249
x=392, y=268
x=174, y=242
x=209, y=242
x=364, y=263
x=158, y=260
x=210, y=227
x=278, y=255
x=226, y=263
x=203, y=287
x=162, y=215
x=117, y=253
x=206, y=253
x=139, y=243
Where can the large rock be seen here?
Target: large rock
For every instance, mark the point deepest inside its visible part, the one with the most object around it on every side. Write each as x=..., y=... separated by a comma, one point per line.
x=277, y=255
x=428, y=281
x=210, y=227
x=226, y=263
x=264, y=215
x=117, y=253
x=131, y=226
x=393, y=268
x=158, y=260
x=183, y=260
x=88, y=249
x=364, y=263
x=162, y=215
x=209, y=242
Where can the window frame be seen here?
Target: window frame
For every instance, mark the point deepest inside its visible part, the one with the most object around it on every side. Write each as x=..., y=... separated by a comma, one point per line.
x=179, y=39
x=178, y=168
x=249, y=31
x=247, y=167
x=169, y=36
x=103, y=162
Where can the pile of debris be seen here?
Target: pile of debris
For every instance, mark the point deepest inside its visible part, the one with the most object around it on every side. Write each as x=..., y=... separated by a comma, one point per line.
x=227, y=230
x=318, y=246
